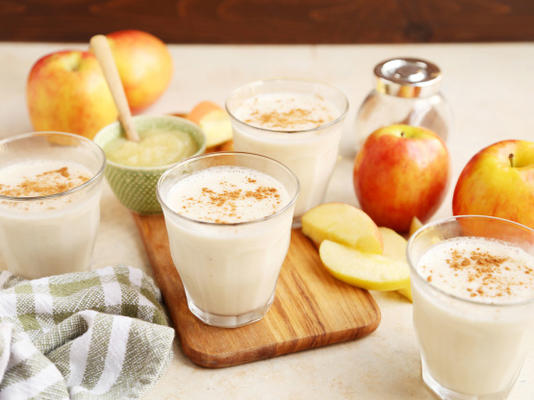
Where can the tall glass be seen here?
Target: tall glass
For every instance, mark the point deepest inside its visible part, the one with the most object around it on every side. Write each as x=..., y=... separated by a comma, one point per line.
x=469, y=349
x=51, y=234
x=311, y=154
x=229, y=271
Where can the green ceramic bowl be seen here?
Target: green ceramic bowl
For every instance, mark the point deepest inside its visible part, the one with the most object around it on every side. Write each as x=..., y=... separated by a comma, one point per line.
x=135, y=187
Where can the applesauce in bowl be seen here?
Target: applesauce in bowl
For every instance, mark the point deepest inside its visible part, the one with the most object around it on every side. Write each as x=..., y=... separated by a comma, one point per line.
x=157, y=147
x=133, y=168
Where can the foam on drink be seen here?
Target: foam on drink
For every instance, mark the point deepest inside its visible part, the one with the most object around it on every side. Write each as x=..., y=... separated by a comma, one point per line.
x=285, y=111
x=227, y=194
x=41, y=178
x=485, y=270
x=35, y=178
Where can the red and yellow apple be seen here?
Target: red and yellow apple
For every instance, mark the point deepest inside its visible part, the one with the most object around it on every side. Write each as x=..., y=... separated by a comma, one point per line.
x=498, y=181
x=66, y=92
x=144, y=64
x=401, y=172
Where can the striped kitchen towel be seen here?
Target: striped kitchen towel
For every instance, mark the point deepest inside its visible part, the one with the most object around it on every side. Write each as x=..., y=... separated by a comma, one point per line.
x=89, y=335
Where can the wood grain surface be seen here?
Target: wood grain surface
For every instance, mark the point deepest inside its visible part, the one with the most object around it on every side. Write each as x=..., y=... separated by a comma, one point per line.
x=272, y=21
x=310, y=309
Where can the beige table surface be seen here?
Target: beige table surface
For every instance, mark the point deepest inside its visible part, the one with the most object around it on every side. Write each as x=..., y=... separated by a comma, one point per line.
x=491, y=91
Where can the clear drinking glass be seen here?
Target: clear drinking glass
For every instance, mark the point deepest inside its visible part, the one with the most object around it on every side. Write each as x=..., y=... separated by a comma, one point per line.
x=311, y=154
x=51, y=234
x=469, y=349
x=229, y=271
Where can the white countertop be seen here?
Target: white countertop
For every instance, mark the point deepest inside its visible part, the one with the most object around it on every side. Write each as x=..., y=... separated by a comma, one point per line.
x=490, y=88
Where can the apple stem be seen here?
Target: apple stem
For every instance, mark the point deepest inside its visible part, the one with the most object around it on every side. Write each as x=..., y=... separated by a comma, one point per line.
x=402, y=133
x=511, y=158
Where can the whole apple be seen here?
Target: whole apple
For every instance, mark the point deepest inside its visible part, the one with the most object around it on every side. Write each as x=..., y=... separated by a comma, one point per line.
x=498, y=181
x=401, y=172
x=144, y=64
x=66, y=92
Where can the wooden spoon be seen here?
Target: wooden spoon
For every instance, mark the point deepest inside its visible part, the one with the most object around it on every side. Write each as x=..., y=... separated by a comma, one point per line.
x=100, y=47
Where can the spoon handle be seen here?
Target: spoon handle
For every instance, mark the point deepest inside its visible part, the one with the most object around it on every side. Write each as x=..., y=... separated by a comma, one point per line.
x=102, y=51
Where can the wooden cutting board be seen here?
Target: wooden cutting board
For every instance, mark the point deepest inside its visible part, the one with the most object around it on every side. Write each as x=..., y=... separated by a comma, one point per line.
x=311, y=309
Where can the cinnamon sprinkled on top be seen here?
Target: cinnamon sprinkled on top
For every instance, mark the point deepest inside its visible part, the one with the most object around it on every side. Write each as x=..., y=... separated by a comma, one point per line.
x=227, y=200
x=289, y=112
x=227, y=195
x=285, y=119
x=44, y=184
x=465, y=267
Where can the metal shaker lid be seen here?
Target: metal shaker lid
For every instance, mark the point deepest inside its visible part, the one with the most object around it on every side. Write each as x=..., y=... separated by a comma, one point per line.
x=407, y=77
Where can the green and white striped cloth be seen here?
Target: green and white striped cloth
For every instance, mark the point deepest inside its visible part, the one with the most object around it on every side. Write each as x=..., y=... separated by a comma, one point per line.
x=90, y=335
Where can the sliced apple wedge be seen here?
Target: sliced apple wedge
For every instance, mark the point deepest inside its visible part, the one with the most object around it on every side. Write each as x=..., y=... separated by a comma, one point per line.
x=395, y=247
x=394, y=244
x=342, y=223
x=368, y=271
x=213, y=121
x=406, y=292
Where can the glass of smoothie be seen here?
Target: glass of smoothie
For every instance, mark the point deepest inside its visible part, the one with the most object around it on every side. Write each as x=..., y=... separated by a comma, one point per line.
x=50, y=185
x=298, y=123
x=473, y=304
x=228, y=217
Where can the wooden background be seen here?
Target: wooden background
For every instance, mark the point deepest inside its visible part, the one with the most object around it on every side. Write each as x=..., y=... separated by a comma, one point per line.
x=272, y=21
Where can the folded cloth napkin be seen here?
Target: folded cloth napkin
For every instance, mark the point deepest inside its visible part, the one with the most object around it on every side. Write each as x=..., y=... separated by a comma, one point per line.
x=89, y=335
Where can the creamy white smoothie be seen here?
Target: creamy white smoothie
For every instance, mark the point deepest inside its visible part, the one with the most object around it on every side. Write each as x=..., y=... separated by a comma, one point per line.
x=287, y=111
x=296, y=123
x=43, y=232
x=227, y=195
x=472, y=338
x=229, y=232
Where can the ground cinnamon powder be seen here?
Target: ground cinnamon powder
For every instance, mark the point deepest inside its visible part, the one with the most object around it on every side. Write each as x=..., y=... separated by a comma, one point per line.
x=226, y=200
x=285, y=119
x=482, y=266
x=46, y=183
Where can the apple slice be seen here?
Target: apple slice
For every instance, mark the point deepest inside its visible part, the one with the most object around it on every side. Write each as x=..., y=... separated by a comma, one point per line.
x=415, y=225
x=213, y=121
x=406, y=292
x=365, y=270
x=395, y=248
x=342, y=223
x=394, y=244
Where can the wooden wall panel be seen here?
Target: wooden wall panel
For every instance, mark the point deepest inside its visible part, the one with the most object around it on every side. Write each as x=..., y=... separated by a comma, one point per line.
x=272, y=21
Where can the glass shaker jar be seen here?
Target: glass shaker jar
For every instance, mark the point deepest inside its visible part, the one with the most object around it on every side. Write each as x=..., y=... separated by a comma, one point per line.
x=406, y=92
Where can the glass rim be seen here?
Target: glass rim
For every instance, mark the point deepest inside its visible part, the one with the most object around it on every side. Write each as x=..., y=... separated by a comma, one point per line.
x=260, y=82
x=229, y=153
x=442, y=221
x=86, y=184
